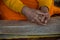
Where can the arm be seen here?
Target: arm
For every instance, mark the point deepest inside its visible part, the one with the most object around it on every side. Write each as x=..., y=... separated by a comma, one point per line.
x=31, y=14
x=15, y=5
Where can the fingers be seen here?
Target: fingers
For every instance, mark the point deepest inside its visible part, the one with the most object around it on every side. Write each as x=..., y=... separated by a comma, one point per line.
x=37, y=16
x=38, y=21
x=47, y=19
x=41, y=16
x=40, y=13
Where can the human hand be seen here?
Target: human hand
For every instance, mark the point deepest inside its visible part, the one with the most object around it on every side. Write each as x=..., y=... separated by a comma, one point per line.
x=35, y=16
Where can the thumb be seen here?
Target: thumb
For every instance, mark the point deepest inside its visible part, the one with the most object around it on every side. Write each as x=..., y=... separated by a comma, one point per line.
x=44, y=9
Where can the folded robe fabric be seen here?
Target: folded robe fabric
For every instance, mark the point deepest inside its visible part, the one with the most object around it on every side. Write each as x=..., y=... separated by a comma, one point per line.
x=12, y=8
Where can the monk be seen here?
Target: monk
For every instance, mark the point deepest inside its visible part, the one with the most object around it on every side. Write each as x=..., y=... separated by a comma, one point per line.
x=37, y=11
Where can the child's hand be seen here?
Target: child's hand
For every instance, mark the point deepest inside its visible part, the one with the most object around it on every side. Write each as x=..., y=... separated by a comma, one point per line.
x=35, y=16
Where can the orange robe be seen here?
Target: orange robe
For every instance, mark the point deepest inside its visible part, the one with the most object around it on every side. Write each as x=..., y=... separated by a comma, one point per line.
x=8, y=14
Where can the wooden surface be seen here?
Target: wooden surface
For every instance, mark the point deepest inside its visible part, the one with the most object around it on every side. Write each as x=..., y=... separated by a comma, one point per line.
x=19, y=28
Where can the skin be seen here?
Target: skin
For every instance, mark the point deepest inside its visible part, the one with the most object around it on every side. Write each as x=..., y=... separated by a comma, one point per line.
x=36, y=16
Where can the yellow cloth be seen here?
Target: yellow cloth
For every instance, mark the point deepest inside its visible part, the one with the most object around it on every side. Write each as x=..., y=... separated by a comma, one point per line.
x=47, y=3
x=17, y=5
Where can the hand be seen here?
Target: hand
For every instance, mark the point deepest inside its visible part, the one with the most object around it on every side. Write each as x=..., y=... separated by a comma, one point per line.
x=45, y=10
x=35, y=16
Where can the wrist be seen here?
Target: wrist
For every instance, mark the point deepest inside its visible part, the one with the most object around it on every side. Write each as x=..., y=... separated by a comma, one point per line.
x=25, y=10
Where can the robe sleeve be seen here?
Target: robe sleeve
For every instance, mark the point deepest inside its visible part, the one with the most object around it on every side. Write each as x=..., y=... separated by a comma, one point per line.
x=15, y=5
x=46, y=3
